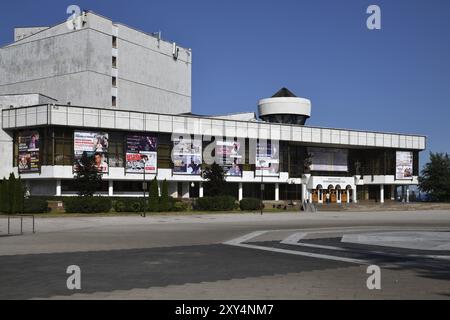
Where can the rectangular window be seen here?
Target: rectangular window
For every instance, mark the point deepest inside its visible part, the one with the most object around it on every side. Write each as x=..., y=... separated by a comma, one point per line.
x=114, y=62
x=115, y=149
x=114, y=82
x=113, y=101
x=114, y=42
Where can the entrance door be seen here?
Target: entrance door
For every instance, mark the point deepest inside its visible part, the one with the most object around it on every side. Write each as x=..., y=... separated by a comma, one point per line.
x=344, y=196
x=333, y=198
x=315, y=196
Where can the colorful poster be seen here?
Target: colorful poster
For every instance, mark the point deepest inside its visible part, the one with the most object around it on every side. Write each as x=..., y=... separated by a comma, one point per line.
x=267, y=161
x=328, y=159
x=404, y=165
x=141, y=154
x=187, y=156
x=95, y=146
x=229, y=156
x=28, y=145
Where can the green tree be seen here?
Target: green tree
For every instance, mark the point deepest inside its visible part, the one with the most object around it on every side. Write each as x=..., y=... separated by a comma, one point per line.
x=215, y=183
x=12, y=193
x=87, y=179
x=3, y=196
x=435, y=177
x=164, y=203
x=153, y=196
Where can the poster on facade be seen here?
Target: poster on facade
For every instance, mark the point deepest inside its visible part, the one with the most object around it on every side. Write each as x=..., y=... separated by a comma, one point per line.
x=141, y=154
x=187, y=156
x=95, y=146
x=404, y=165
x=28, y=145
x=229, y=156
x=267, y=159
x=328, y=159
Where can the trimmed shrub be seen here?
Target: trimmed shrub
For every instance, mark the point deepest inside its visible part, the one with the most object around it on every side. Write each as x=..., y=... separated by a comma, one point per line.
x=128, y=205
x=35, y=205
x=219, y=203
x=87, y=204
x=164, y=201
x=179, y=206
x=153, y=196
x=250, y=204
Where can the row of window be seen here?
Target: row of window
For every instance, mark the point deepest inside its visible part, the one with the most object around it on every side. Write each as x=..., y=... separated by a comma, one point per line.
x=56, y=148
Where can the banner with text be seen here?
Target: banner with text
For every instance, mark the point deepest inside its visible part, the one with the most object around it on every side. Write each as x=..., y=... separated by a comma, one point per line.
x=141, y=154
x=28, y=145
x=404, y=165
x=95, y=146
x=187, y=156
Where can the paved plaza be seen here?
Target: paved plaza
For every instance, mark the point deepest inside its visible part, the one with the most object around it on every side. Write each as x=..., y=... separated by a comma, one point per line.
x=230, y=256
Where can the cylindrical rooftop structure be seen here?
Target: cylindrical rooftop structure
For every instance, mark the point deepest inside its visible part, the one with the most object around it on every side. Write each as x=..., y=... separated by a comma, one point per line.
x=284, y=107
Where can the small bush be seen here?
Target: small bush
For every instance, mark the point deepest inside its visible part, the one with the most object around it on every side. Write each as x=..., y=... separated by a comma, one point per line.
x=128, y=205
x=35, y=205
x=219, y=203
x=179, y=206
x=87, y=204
x=250, y=204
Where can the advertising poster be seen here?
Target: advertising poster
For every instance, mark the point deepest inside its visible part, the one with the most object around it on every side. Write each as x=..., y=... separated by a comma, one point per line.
x=267, y=159
x=141, y=154
x=28, y=143
x=328, y=159
x=404, y=165
x=95, y=146
x=187, y=156
x=229, y=156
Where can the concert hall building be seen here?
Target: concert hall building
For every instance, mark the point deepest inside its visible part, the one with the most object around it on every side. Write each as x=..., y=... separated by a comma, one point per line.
x=122, y=97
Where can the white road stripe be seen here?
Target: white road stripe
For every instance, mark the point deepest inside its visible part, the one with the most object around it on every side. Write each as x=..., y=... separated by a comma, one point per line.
x=305, y=254
x=294, y=239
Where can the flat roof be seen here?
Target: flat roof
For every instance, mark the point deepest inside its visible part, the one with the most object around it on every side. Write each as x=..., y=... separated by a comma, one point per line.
x=121, y=119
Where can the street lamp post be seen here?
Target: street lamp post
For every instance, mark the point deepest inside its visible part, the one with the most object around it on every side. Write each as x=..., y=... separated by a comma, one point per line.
x=144, y=186
x=261, y=171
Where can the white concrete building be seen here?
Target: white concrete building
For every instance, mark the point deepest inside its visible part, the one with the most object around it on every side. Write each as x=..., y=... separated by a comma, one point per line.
x=123, y=97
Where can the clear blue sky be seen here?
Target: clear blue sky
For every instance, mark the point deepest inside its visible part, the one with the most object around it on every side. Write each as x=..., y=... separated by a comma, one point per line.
x=396, y=79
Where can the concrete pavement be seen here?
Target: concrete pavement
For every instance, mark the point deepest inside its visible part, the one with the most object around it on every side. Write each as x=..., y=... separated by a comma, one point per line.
x=183, y=257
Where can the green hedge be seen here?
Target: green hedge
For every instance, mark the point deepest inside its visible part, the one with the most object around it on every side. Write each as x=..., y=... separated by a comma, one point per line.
x=35, y=205
x=250, y=204
x=128, y=205
x=219, y=203
x=87, y=204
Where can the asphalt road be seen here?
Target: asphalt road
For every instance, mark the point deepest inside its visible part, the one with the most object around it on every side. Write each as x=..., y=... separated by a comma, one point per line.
x=175, y=257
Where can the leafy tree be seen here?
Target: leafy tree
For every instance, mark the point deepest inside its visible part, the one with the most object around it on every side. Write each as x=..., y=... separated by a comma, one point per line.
x=87, y=179
x=164, y=203
x=215, y=180
x=435, y=177
x=153, y=197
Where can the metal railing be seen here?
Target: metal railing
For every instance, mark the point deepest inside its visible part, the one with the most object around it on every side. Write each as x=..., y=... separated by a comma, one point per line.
x=21, y=216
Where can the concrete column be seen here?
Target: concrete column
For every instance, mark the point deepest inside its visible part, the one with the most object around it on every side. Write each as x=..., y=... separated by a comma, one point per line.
x=309, y=196
x=185, y=190
x=382, y=193
x=173, y=190
x=110, y=188
x=354, y=196
x=392, y=192
x=240, y=191
x=348, y=195
x=58, y=187
x=407, y=194
x=277, y=192
x=200, y=190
